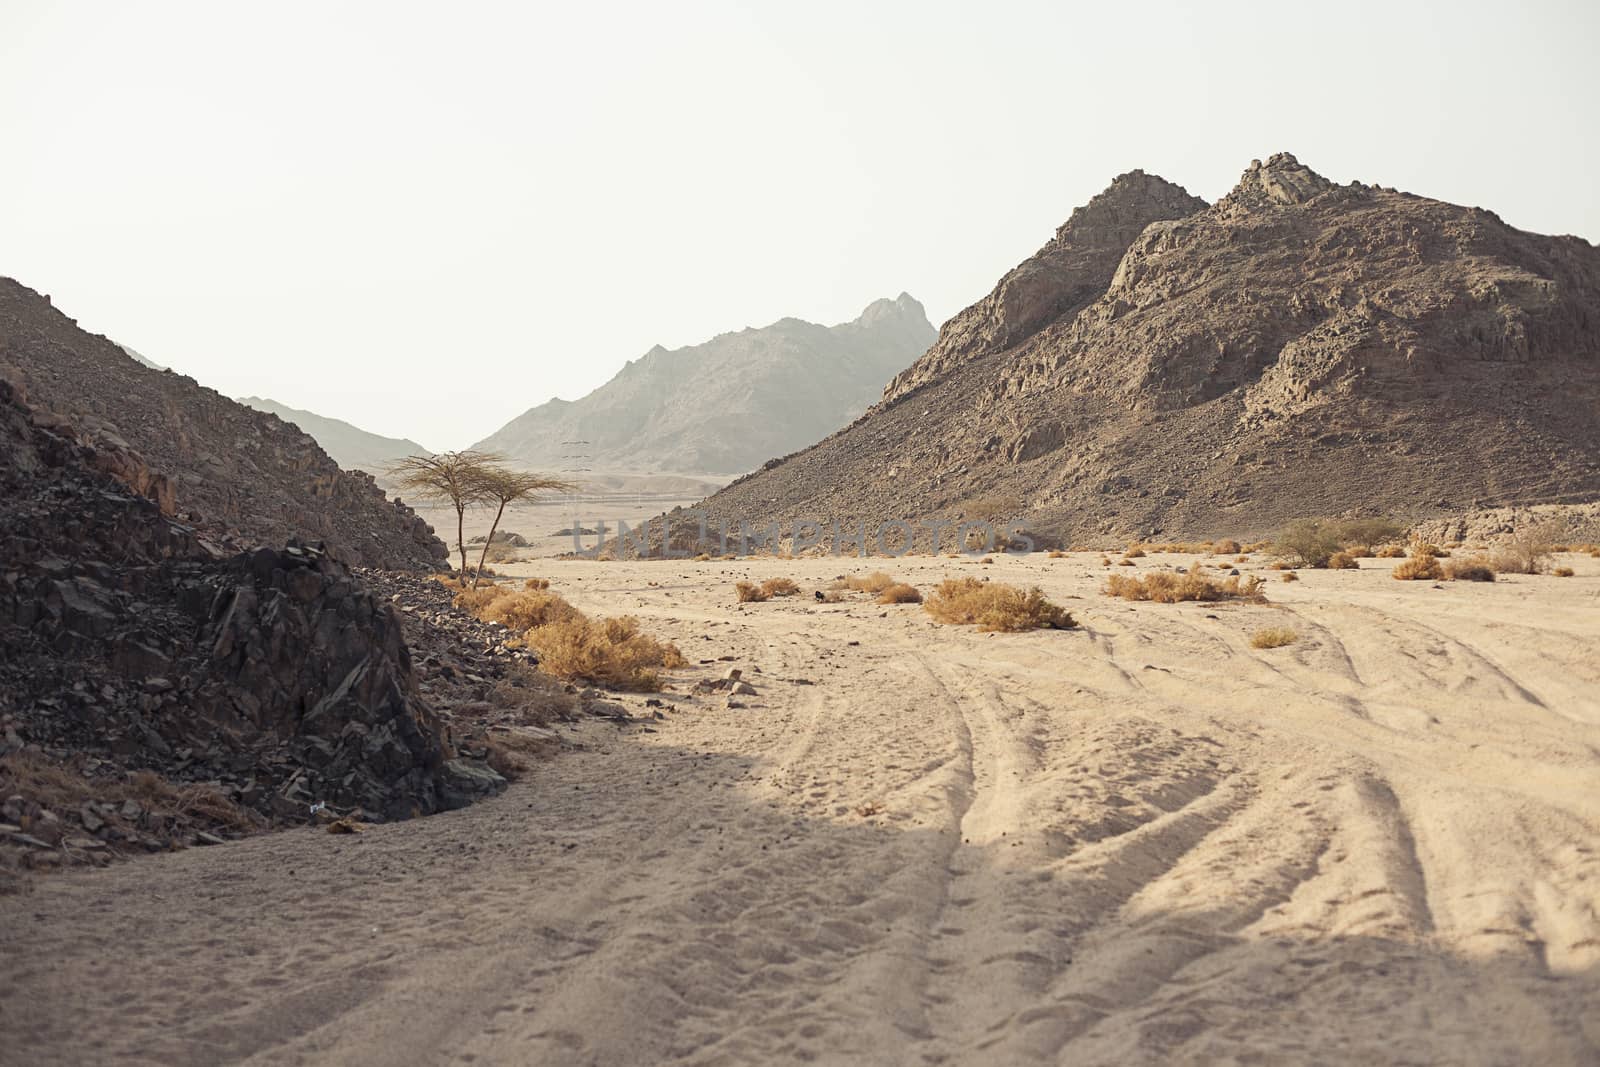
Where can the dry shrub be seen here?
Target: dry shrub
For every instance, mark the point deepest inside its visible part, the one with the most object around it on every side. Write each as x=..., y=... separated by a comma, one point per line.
x=987, y=559
x=1308, y=543
x=780, y=587
x=612, y=652
x=536, y=584
x=750, y=593
x=1342, y=561
x=1169, y=587
x=1476, y=569
x=1241, y=559
x=1273, y=637
x=536, y=699
x=1056, y=554
x=1560, y=548
x=995, y=606
x=1134, y=552
x=876, y=582
x=1419, y=569
x=1563, y=572
x=702, y=558
x=900, y=593
x=1421, y=549
x=1126, y=563
x=513, y=753
x=1527, y=552
x=526, y=610
x=1290, y=576
x=1359, y=551
x=1226, y=547
x=1395, y=551
x=501, y=552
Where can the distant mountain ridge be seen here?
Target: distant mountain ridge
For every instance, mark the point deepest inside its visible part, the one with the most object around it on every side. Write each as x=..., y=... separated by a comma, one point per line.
x=350, y=446
x=728, y=405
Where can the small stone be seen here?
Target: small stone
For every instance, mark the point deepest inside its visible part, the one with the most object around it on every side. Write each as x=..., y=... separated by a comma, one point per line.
x=131, y=809
x=731, y=674
x=205, y=838
x=91, y=821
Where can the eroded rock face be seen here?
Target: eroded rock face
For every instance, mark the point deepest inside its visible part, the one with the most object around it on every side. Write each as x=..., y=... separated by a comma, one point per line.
x=1301, y=348
x=276, y=673
x=239, y=476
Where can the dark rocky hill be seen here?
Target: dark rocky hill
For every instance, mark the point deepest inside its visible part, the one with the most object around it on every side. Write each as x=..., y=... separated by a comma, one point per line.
x=1166, y=368
x=239, y=476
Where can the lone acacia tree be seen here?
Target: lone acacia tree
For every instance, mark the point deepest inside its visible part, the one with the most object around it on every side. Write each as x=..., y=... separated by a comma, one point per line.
x=502, y=487
x=454, y=478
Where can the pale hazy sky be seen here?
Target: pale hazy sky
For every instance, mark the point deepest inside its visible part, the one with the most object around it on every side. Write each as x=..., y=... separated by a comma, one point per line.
x=426, y=218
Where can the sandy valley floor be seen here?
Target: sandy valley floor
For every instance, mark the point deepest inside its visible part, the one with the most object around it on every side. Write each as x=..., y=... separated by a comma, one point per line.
x=1141, y=841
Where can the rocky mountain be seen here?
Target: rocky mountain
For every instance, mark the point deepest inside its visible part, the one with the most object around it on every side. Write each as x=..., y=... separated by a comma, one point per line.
x=725, y=406
x=350, y=446
x=241, y=477
x=128, y=638
x=1168, y=368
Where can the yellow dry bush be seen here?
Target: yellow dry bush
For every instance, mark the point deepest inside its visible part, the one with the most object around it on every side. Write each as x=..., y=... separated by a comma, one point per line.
x=1172, y=587
x=536, y=584
x=1419, y=569
x=1057, y=554
x=1359, y=551
x=1226, y=547
x=1290, y=576
x=995, y=606
x=1273, y=637
x=1135, y=551
x=1563, y=572
x=900, y=593
x=1126, y=563
x=527, y=609
x=1391, y=552
x=1342, y=561
x=780, y=587
x=611, y=652
x=876, y=582
x=474, y=601
x=750, y=593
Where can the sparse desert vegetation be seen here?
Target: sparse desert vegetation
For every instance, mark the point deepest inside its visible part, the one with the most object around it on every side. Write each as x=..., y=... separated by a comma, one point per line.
x=1475, y=569
x=1314, y=542
x=900, y=593
x=876, y=582
x=571, y=646
x=1419, y=568
x=995, y=606
x=1173, y=587
x=1273, y=637
x=1563, y=572
x=750, y=593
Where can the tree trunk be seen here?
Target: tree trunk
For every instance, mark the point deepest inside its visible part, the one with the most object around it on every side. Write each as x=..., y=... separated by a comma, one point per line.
x=461, y=537
x=485, y=555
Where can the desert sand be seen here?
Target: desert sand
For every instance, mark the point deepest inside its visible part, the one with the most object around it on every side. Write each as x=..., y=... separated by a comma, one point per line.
x=1140, y=841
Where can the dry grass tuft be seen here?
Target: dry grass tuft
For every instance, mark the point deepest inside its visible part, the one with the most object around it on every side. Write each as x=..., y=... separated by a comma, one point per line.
x=1290, y=576
x=1342, y=561
x=995, y=607
x=611, y=652
x=1273, y=637
x=1476, y=569
x=1563, y=572
x=1226, y=547
x=536, y=584
x=1057, y=554
x=1134, y=552
x=750, y=593
x=780, y=587
x=1391, y=552
x=1419, y=569
x=900, y=593
x=535, y=699
x=876, y=582
x=1168, y=587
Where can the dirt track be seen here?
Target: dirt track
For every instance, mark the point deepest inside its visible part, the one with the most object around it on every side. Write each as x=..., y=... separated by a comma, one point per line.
x=1142, y=841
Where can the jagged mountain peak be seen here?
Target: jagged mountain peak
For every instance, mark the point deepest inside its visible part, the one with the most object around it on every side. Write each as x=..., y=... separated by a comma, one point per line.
x=1281, y=180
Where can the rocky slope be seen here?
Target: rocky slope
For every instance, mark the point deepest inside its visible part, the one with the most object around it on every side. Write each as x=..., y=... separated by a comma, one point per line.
x=1298, y=348
x=239, y=476
x=726, y=406
x=273, y=675
x=349, y=445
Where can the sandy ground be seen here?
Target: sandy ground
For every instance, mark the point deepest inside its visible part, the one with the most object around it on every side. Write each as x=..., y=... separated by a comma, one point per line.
x=538, y=523
x=1142, y=841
